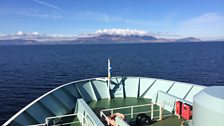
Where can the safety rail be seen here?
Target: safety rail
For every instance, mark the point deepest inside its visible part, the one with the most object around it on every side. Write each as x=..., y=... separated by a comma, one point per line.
x=134, y=112
x=57, y=120
x=43, y=124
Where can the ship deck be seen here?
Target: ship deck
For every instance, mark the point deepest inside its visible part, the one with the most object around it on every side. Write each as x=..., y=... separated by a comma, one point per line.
x=168, y=118
x=72, y=103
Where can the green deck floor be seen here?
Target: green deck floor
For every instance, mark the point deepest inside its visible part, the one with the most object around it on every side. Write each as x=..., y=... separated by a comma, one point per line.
x=97, y=106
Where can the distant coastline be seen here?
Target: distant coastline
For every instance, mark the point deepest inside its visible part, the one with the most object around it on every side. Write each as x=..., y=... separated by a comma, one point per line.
x=96, y=39
x=114, y=36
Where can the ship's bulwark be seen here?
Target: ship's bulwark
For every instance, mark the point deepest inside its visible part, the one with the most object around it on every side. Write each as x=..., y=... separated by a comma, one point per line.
x=63, y=99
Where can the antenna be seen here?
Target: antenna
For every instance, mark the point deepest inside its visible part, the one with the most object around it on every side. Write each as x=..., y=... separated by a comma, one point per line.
x=109, y=75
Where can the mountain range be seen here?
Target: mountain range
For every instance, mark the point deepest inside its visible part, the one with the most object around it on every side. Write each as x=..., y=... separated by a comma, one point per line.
x=104, y=38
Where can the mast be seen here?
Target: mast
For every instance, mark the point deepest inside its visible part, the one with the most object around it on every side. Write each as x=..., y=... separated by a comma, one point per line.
x=109, y=75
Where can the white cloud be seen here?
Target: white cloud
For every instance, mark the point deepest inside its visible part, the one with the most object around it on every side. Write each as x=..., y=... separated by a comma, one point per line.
x=35, y=33
x=124, y=32
x=205, y=19
x=31, y=12
x=19, y=33
x=39, y=14
x=128, y=32
x=47, y=4
x=207, y=25
x=101, y=17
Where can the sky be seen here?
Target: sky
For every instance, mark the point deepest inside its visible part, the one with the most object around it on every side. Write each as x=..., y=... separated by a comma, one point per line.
x=169, y=18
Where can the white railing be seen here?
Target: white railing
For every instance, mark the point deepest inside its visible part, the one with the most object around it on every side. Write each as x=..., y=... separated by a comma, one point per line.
x=82, y=122
x=133, y=112
x=43, y=124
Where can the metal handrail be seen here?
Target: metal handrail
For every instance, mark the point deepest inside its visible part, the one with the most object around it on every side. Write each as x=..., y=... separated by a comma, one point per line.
x=103, y=115
x=83, y=120
x=132, y=110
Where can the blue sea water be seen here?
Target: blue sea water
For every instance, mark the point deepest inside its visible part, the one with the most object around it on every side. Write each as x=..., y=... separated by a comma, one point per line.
x=26, y=72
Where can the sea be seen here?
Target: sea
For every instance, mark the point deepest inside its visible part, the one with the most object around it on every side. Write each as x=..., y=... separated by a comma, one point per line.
x=29, y=71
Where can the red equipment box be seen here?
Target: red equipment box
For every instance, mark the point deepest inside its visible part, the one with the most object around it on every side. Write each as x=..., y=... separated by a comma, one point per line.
x=186, y=111
x=178, y=107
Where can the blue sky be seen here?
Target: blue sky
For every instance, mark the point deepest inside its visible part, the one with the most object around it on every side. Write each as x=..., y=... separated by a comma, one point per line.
x=172, y=18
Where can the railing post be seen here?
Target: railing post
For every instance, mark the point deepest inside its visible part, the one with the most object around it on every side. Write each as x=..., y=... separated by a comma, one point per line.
x=152, y=111
x=112, y=111
x=46, y=121
x=131, y=111
x=86, y=123
x=160, y=112
x=82, y=120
